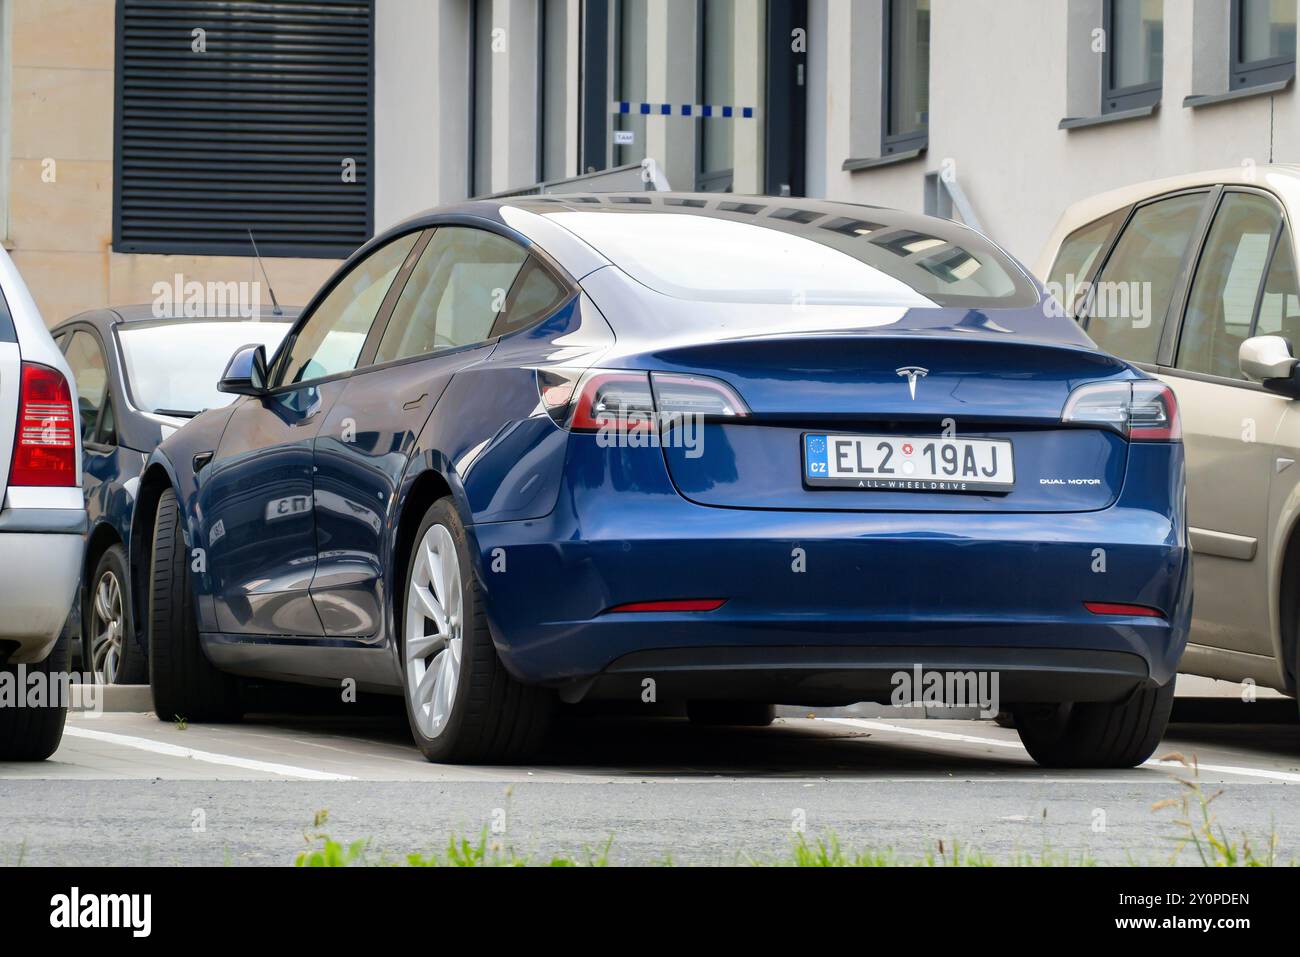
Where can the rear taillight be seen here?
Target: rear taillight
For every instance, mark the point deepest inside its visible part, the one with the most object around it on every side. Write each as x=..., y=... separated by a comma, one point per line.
x=695, y=395
x=620, y=401
x=45, y=442
x=602, y=399
x=1153, y=417
x=1144, y=411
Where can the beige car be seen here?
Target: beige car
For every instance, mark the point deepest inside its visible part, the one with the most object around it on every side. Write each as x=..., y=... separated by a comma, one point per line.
x=1194, y=279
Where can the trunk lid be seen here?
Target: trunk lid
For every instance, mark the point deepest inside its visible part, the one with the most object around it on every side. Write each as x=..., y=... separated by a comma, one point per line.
x=926, y=385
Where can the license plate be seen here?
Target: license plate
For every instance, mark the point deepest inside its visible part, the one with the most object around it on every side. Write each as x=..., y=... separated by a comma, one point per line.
x=890, y=463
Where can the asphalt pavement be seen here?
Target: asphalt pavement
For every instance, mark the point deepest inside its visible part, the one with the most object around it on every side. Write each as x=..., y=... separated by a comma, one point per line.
x=126, y=789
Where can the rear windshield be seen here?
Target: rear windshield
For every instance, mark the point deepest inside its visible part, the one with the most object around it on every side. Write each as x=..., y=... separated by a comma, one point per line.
x=748, y=252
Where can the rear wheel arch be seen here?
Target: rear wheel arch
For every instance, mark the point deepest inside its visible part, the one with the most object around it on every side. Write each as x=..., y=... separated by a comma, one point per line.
x=153, y=483
x=1288, y=606
x=102, y=538
x=429, y=486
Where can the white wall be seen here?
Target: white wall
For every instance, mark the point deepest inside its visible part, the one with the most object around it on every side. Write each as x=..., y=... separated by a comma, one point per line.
x=1003, y=75
x=421, y=106
x=999, y=87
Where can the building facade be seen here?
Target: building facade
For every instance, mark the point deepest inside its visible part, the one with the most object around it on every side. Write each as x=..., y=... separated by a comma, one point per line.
x=144, y=139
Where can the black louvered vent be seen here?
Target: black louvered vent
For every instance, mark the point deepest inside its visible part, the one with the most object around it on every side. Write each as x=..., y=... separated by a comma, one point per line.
x=253, y=133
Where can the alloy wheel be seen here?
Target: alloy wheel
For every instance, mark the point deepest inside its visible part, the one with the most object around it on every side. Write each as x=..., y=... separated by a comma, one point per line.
x=106, y=628
x=433, y=631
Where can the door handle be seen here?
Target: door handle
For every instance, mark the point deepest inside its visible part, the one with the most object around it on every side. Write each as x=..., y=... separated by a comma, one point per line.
x=415, y=402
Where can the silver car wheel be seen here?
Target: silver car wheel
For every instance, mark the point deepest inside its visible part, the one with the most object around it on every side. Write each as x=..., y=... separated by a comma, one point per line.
x=106, y=628
x=433, y=631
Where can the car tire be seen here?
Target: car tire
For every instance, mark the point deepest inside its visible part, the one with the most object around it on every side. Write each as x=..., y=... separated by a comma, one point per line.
x=462, y=704
x=735, y=714
x=1119, y=734
x=108, y=624
x=184, y=682
x=34, y=733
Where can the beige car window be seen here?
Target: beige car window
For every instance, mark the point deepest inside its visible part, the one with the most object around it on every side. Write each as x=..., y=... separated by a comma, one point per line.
x=1078, y=255
x=1221, y=307
x=1279, y=306
x=1127, y=309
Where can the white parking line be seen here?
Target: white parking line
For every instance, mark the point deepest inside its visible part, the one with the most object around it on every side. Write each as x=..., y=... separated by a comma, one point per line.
x=208, y=757
x=1287, y=776
x=923, y=733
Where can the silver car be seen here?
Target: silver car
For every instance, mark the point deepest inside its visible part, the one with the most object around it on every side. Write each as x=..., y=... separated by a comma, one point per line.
x=42, y=523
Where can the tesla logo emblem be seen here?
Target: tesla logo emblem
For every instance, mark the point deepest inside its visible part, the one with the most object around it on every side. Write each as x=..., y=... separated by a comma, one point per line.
x=913, y=373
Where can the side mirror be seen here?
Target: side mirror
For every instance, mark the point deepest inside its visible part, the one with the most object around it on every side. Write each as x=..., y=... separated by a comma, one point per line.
x=245, y=373
x=1268, y=359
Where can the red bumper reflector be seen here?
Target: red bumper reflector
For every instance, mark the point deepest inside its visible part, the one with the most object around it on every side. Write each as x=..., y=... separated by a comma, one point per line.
x=680, y=604
x=1116, y=608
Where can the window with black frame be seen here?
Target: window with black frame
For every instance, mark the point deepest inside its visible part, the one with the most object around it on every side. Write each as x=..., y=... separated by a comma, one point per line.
x=480, y=98
x=907, y=76
x=715, y=166
x=1133, y=62
x=552, y=84
x=1263, y=38
x=631, y=26
x=269, y=127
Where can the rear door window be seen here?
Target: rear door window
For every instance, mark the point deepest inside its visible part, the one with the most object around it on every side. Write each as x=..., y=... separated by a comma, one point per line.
x=455, y=295
x=1228, y=284
x=86, y=360
x=1127, y=305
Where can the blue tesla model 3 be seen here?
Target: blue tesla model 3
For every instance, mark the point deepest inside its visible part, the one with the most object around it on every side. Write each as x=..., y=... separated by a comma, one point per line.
x=684, y=449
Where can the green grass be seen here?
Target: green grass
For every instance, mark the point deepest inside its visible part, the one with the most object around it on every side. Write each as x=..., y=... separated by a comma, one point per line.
x=460, y=852
x=1195, y=830
x=826, y=851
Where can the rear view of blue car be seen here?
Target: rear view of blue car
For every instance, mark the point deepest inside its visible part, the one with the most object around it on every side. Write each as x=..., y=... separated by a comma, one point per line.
x=677, y=448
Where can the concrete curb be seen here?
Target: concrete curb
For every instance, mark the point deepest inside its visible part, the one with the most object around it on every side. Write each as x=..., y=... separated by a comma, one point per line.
x=119, y=698
x=882, y=711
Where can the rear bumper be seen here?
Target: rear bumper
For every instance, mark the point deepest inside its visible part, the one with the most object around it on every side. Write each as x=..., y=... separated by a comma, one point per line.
x=824, y=608
x=844, y=674
x=41, y=551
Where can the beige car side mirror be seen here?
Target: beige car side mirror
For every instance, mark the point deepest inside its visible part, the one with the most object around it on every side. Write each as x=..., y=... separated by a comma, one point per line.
x=1265, y=358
